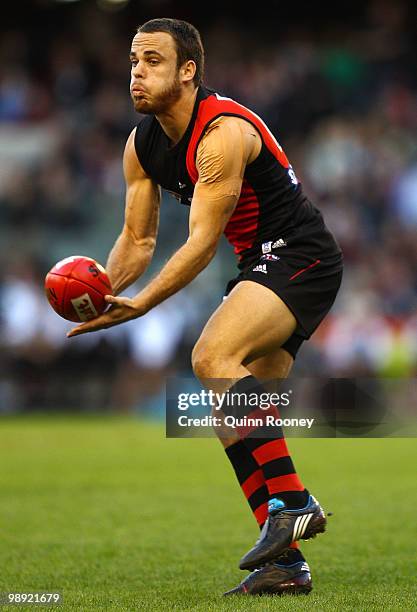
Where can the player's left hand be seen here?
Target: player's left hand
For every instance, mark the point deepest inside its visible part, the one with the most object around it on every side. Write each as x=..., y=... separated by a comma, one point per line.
x=122, y=309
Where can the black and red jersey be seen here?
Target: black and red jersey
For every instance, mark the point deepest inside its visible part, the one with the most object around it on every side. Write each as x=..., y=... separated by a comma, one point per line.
x=272, y=211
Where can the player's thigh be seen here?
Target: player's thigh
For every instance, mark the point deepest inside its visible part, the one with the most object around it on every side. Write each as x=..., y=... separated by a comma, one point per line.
x=251, y=322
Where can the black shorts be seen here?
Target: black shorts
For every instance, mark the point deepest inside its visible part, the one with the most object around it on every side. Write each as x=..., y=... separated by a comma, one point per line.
x=308, y=286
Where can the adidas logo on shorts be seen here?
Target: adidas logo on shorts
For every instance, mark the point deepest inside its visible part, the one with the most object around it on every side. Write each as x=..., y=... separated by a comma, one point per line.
x=268, y=246
x=260, y=268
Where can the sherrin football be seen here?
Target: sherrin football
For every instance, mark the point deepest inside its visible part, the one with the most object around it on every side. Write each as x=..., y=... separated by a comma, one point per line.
x=75, y=288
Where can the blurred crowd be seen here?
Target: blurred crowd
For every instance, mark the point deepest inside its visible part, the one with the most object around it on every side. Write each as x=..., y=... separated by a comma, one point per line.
x=342, y=100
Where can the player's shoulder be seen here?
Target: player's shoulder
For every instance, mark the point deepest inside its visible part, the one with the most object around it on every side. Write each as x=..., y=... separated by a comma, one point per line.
x=229, y=137
x=230, y=127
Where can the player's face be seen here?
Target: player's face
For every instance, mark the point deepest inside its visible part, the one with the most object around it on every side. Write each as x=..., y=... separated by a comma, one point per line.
x=155, y=83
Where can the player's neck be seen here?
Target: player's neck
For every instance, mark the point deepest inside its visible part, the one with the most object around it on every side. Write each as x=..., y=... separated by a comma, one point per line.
x=176, y=120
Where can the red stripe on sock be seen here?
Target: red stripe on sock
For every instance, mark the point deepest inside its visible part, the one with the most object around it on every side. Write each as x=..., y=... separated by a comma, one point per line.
x=261, y=513
x=289, y=482
x=253, y=483
x=293, y=545
x=271, y=450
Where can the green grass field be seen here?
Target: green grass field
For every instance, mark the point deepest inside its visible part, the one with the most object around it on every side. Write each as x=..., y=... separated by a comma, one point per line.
x=117, y=517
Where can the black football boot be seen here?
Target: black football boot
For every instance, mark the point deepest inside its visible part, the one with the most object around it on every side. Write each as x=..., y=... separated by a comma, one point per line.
x=288, y=575
x=282, y=527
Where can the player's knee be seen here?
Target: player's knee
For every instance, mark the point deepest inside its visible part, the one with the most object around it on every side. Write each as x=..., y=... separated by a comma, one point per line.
x=202, y=362
x=207, y=361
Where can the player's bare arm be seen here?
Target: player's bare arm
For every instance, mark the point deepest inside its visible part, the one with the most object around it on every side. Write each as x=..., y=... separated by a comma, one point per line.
x=230, y=143
x=134, y=248
x=221, y=160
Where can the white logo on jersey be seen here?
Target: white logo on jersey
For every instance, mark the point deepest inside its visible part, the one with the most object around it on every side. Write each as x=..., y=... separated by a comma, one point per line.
x=270, y=257
x=260, y=268
x=266, y=247
x=279, y=243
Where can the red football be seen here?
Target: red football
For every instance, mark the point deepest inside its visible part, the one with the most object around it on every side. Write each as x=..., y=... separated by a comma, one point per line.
x=75, y=288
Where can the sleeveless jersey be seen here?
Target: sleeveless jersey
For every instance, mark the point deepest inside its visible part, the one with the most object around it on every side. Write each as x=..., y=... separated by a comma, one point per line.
x=272, y=211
